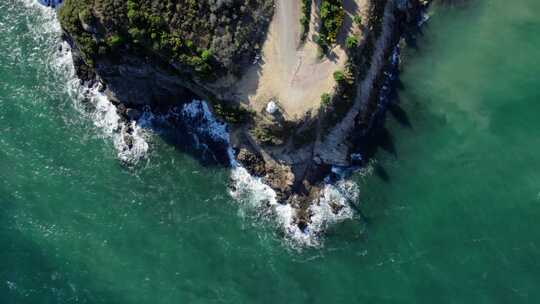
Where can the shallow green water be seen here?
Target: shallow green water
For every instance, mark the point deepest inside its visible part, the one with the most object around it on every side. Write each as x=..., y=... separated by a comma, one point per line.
x=454, y=220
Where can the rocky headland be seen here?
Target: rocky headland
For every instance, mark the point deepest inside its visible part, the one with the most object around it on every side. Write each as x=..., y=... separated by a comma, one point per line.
x=299, y=82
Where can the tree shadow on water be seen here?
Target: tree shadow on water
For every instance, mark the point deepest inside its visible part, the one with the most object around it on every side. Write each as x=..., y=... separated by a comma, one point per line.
x=381, y=172
x=400, y=115
x=380, y=138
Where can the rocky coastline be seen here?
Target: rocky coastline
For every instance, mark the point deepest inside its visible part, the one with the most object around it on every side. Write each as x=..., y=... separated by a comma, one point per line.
x=297, y=168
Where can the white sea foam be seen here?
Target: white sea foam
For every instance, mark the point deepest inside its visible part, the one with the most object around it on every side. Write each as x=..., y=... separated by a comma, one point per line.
x=131, y=142
x=208, y=124
x=333, y=206
x=424, y=19
x=129, y=138
x=43, y=10
x=11, y=285
x=253, y=194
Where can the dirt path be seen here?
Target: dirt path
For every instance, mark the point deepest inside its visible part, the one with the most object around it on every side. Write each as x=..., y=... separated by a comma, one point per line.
x=333, y=150
x=295, y=77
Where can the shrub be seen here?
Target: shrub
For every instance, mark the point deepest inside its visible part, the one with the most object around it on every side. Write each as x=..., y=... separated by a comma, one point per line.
x=206, y=55
x=339, y=76
x=70, y=15
x=135, y=34
x=325, y=100
x=358, y=20
x=176, y=31
x=232, y=114
x=86, y=16
x=351, y=42
x=114, y=41
x=332, y=15
x=304, y=20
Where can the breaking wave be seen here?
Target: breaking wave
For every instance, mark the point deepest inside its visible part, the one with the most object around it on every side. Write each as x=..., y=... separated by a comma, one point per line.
x=130, y=138
x=131, y=141
x=333, y=206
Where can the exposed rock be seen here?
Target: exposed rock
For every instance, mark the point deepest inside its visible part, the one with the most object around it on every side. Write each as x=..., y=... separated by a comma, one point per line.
x=280, y=178
x=121, y=109
x=148, y=83
x=133, y=114
x=252, y=161
x=85, y=73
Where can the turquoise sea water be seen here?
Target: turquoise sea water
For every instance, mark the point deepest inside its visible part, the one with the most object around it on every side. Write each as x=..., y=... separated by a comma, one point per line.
x=451, y=211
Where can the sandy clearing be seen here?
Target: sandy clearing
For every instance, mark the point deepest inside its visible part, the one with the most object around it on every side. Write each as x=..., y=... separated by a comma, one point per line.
x=293, y=76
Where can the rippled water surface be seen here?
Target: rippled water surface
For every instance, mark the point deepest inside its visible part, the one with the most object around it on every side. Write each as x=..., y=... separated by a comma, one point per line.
x=450, y=206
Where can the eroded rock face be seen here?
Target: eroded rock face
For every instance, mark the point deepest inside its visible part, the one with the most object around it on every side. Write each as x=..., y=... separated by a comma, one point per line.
x=280, y=178
x=135, y=81
x=252, y=161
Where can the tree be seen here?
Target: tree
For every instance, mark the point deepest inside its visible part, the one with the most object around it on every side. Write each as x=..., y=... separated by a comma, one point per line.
x=351, y=42
x=114, y=41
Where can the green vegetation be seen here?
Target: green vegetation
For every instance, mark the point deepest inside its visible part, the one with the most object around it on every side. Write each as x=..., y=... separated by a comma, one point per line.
x=305, y=19
x=206, y=37
x=232, y=114
x=357, y=20
x=72, y=14
x=270, y=134
x=360, y=60
x=149, y=30
x=325, y=100
x=115, y=41
x=339, y=76
x=264, y=136
x=376, y=16
x=351, y=42
x=332, y=15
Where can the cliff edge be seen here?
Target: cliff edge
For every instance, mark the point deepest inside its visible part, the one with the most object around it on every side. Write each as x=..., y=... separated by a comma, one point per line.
x=297, y=81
